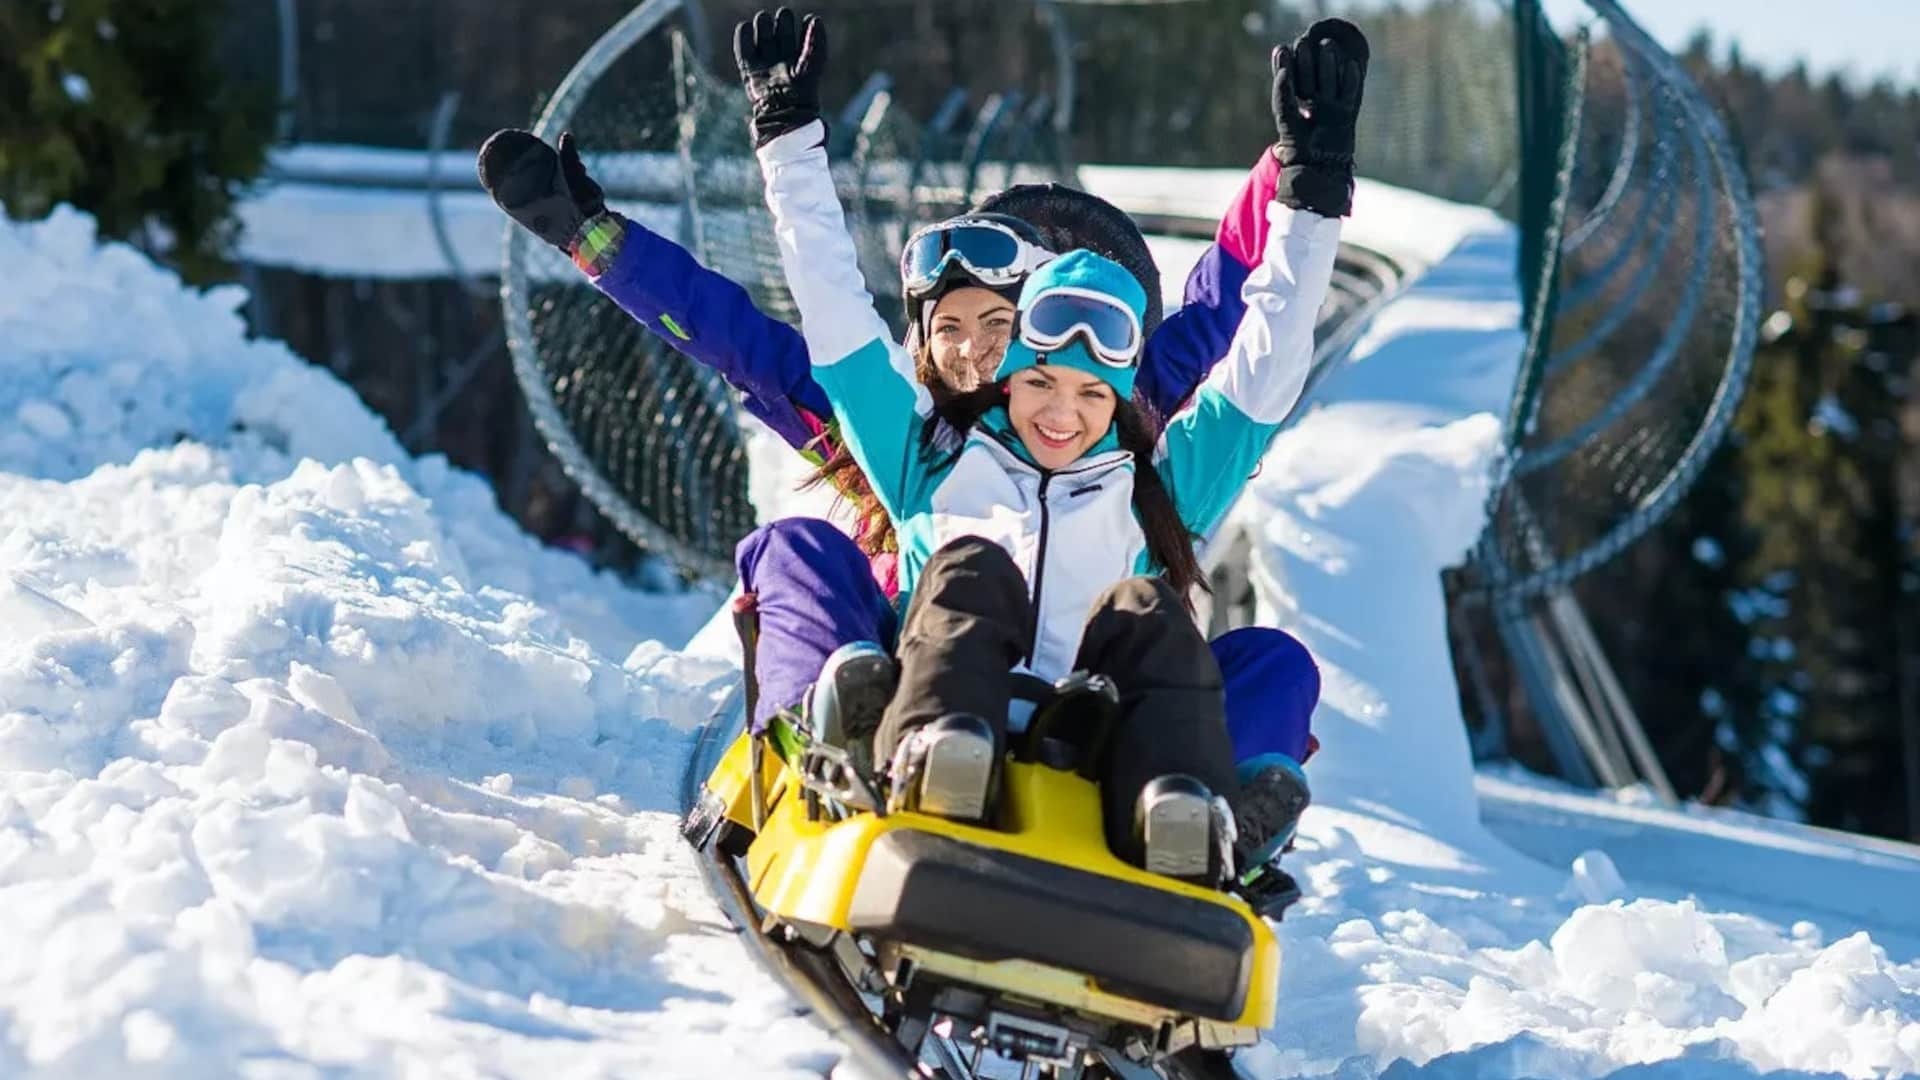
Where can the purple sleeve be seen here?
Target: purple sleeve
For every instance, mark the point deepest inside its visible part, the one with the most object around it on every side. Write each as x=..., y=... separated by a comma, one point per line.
x=708, y=317
x=1191, y=340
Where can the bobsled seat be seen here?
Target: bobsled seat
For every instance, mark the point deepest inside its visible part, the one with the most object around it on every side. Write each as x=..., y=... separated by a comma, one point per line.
x=981, y=903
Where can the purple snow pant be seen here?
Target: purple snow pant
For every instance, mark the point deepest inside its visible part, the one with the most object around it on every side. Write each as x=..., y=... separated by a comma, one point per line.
x=816, y=593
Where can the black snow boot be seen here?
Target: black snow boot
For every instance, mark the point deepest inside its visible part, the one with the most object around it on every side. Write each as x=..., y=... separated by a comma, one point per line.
x=1273, y=794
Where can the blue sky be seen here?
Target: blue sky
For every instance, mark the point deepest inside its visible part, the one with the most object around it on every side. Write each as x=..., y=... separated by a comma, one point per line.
x=1866, y=38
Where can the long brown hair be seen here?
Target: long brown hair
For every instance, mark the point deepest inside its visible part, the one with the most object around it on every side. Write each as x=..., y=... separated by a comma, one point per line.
x=1169, y=544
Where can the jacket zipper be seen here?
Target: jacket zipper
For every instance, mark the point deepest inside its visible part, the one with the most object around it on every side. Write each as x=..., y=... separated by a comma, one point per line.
x=1039, y=573
x=1040, y=554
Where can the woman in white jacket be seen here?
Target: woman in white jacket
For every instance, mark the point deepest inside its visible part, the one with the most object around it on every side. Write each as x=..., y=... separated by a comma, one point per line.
x=1054, y=535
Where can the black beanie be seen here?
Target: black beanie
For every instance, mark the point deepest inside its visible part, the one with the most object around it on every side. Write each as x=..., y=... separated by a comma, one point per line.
x=1068, y=218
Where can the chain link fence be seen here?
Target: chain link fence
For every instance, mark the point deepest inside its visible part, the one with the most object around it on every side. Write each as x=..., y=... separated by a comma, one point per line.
x=1644, y=309
x=1642, y=282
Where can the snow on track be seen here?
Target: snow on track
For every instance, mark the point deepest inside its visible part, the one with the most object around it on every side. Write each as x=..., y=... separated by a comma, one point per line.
x=1426, y=945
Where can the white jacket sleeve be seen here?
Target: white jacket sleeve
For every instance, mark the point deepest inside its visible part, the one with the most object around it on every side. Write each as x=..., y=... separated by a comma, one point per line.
x=877, y=398
x=1211, y=448
x=817, y=252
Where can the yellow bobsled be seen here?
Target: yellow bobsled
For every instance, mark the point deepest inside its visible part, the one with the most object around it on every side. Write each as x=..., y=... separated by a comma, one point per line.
x=1031, y=934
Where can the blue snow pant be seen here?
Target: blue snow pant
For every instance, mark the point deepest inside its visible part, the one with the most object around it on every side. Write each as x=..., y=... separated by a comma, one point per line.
x=815, y=592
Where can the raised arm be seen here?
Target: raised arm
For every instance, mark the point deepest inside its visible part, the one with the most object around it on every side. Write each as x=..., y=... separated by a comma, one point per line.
x=1210, y=450
x=711, y=319
x=867, y=376
x=698, y=312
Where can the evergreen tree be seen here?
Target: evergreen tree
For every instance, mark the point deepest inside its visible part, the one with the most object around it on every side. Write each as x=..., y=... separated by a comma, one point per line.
x=1822, y=493
x=121, y=108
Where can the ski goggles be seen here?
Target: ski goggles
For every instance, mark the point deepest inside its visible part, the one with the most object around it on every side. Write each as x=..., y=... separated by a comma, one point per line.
x=1109, y=327
x=993, y=254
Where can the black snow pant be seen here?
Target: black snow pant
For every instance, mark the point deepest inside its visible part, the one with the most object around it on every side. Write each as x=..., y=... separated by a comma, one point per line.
x=969, y=623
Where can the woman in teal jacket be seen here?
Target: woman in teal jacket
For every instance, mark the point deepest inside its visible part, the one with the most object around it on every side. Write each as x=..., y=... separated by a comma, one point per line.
x=1054, y=535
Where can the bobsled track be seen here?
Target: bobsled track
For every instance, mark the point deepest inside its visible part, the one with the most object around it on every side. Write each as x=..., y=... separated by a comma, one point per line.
x=809, y=973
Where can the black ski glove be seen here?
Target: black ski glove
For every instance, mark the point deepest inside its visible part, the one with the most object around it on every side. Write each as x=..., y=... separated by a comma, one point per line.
x=781, y=60
x=548, y=193
x=1318, y=82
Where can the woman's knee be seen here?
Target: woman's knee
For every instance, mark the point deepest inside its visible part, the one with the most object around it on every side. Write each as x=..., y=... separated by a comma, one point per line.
x=975, y=576
x=1273, y=686
x=1141, y=595
x=814, y=542
x=797, y=533
x=1140, y=631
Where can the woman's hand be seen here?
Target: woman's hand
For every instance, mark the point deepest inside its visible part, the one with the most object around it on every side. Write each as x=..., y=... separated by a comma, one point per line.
x=781, y=60
x=1318, y=83
x=548, y=192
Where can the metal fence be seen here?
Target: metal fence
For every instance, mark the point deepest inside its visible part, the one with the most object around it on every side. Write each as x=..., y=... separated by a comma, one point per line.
x=1646, y=316
x=1642, y=266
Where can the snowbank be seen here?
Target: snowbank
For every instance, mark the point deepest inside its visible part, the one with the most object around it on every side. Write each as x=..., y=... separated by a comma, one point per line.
x=359, y=211
x=309, y=759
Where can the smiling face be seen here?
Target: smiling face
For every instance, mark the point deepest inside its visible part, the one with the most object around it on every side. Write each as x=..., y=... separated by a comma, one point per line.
x=1059, y=412
x=968, y=335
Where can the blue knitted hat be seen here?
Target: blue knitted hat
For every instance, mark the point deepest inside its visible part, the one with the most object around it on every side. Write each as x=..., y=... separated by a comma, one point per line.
x=1080, y=269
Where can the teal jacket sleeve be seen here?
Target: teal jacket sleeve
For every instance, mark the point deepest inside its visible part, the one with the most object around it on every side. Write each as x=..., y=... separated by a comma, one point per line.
x=1211, y=448
x=869, y=379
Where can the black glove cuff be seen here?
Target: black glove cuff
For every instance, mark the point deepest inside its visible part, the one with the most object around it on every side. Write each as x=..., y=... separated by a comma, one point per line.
x=1325, y=190
x=1319, y=159
x=773, y=123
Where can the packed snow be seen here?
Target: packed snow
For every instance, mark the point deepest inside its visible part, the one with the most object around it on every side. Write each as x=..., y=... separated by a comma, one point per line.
x=312, y=764
x=310, y=761
x=369, y=212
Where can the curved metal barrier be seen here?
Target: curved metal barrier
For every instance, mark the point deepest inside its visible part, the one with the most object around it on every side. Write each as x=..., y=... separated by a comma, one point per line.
x=1643, y=252
x=1648, y=313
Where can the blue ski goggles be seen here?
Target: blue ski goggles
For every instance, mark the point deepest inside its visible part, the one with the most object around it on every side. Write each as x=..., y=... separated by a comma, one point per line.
x=993, y=254
x=1109, y=327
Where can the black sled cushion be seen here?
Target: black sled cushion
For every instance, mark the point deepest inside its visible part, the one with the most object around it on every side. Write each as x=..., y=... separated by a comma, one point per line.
x=1156, y=947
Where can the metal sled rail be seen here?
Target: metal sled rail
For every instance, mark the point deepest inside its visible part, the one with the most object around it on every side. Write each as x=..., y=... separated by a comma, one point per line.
x=809, y=974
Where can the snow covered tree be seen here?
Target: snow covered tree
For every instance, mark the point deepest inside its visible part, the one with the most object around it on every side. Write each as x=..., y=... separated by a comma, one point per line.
x=121, y=108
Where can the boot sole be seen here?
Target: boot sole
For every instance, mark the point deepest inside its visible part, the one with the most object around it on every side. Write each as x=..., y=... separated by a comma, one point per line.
x=862, y=688
x=955, y=776
x=1274, y=794
x=1179, y=836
